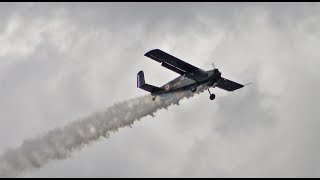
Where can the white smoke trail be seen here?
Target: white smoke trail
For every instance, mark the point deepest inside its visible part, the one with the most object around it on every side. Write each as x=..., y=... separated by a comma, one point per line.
x=61, y=142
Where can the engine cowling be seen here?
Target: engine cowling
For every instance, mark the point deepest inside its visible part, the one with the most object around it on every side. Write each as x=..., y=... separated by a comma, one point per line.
x=217, y=73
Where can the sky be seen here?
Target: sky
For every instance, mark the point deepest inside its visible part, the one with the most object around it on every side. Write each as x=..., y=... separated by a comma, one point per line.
x=63, y=61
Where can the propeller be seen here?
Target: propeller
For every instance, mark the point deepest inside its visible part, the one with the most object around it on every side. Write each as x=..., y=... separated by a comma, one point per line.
x=215, y=70
x=214, y=67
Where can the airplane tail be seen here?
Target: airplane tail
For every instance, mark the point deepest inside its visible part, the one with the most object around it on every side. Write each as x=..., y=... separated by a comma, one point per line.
x=142, y=84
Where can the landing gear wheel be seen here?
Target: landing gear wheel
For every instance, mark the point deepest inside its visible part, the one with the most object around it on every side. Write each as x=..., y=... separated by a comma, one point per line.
x=212, y=96
x=193, y=89
x=153, y=98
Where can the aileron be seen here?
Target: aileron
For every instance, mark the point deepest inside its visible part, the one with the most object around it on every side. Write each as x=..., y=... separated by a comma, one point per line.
x=228, y=85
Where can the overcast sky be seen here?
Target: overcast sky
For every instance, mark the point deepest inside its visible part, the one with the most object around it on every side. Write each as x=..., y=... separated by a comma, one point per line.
x=62, y=61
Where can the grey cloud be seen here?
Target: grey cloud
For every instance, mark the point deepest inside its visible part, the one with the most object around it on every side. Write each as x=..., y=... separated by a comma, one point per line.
x=256, y=131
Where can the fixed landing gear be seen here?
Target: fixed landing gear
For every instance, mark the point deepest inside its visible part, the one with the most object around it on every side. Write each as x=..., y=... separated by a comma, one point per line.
x=212, y=96
x=193, y=89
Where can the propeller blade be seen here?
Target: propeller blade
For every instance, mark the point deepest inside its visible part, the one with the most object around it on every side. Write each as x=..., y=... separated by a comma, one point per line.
x=214, y=67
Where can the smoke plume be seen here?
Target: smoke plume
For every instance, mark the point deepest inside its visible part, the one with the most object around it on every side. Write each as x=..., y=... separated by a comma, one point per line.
x=59, y=143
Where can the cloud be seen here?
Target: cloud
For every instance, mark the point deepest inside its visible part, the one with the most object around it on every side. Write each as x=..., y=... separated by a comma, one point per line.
x=63, y=61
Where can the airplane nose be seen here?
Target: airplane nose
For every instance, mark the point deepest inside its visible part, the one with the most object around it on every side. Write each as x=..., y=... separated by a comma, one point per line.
x=217, y=72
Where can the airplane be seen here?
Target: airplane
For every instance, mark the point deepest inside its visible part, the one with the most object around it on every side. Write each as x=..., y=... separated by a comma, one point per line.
x=190, y=76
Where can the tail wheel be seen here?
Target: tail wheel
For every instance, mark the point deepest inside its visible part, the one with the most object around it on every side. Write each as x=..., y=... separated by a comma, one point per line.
x=193, y=89
x=212, y=96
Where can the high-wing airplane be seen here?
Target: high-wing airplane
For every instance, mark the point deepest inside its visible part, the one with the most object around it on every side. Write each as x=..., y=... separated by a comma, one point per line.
x=190, y=76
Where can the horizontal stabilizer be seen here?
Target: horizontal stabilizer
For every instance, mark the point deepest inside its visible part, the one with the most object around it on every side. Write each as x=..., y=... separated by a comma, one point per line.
x=142, y=84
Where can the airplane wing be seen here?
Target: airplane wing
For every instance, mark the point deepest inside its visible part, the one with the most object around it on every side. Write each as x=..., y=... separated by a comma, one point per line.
x=228, y=85
x=171, y=62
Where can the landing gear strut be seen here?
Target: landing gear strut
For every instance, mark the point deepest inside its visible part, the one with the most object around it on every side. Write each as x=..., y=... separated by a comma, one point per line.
x=212, y=96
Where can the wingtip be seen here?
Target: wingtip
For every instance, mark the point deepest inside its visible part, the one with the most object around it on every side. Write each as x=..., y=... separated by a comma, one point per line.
x=147, y=53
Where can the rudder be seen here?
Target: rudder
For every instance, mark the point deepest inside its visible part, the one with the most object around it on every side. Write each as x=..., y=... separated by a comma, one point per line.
x=140, y=79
